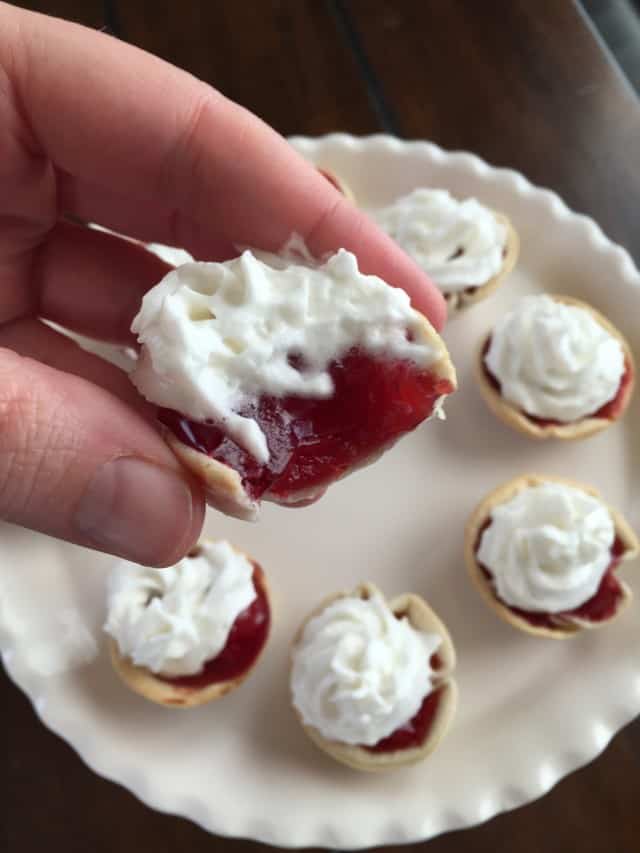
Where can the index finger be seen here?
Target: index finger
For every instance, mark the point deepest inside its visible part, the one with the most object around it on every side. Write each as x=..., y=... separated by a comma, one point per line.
x=117, y=119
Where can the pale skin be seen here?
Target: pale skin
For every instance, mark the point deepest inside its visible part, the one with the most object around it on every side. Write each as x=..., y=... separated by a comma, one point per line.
x=94, y=129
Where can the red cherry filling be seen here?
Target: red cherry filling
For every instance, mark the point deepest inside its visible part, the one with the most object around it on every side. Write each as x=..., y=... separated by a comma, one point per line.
x=415, y=731
x=313, y=442
x=598, y=608
x=610, y=410
x=245, y=642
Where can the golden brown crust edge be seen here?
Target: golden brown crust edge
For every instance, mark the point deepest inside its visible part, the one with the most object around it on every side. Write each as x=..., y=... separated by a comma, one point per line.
x=146, y=684
x=482, y=514
x=458, y=300
x=223, y=485
x=518, y=420
x=422, y=617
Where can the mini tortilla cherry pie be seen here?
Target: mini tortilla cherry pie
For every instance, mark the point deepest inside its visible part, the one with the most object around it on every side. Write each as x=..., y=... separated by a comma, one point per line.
x=464, y=246
x=554, y=367
x=543, y=552
x=371, y=681
x=275, y=376
x=189, y=634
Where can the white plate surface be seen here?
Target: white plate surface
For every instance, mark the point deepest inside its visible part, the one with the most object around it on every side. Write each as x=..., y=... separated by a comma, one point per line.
x=530, y=711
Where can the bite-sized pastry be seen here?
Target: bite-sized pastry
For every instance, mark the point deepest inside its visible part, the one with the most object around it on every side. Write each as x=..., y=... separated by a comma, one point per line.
x=543, y=551
x=191, y=633
x=467, y=249
x=337, y=182
x=277, y=376
x=554, y=367
x=371, y=681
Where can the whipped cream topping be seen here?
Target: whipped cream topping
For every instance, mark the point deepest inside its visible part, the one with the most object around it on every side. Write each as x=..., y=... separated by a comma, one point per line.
x=359, y=673
x=217, y=336
x=548, y=548
x=459, y=244
x=555, y=361
x=172, y=621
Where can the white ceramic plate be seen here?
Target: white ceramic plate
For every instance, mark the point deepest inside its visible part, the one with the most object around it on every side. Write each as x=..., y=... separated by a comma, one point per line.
x=531, y=710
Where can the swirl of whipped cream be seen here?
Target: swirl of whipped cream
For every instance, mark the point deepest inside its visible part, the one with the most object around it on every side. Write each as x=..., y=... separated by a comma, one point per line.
x=459, y=244
x=548, y=548
x=172, y=621
x=358, y=672
x=555, y=361
x=216, y=336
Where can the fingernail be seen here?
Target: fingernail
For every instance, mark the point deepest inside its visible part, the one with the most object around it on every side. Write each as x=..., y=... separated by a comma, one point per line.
x=137, y=510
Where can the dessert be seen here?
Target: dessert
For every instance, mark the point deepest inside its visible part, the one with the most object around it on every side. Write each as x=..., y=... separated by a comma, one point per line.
x=276, y=376
x=543, y=552
x=371, y=681
x=191, y=633
x=554, y=367
x=465, y=248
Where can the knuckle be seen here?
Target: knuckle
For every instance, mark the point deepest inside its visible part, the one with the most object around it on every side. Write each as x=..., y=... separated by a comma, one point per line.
x=16, y=463
x=32, y=456
x=186, y=151
x=15, y=401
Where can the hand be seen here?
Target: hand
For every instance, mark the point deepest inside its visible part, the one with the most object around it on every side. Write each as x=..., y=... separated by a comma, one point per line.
x=97, y=130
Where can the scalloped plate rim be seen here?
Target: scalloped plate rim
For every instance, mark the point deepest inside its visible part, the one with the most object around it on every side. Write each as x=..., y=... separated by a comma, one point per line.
x=505, y=796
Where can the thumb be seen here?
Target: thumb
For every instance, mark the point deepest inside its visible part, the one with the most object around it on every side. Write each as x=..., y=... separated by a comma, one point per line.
x=79, y=464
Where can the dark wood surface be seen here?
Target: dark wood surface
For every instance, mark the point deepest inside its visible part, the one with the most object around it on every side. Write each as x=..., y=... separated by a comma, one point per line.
x=523, y=84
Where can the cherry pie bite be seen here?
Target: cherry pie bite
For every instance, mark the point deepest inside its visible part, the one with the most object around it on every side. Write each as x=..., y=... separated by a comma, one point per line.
x=189, y=634
x=275, y=377
x=554, y=367
x=371, y=681
x=466, y=248
x=544, y=551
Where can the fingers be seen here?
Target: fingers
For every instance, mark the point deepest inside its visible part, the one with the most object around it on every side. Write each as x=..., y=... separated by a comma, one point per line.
x=141, y=218
x=32, y=338
x=93, y=282
x=77, y=463
x=141, y=128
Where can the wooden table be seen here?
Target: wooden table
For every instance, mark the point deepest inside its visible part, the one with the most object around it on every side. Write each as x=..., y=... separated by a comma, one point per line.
x=523, y=84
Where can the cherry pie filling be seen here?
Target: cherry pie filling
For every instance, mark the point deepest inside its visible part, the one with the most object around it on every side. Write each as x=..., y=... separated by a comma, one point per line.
x=600, y=607
x=610, y=410
x=415, y=731
x=246, y=640
x=313, y=442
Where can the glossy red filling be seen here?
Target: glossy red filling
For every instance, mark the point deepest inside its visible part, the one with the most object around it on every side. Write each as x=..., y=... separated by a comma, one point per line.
x=245, y=642
x=610, y=410
x=416, y=730
x=313, y=442
x=598, y=608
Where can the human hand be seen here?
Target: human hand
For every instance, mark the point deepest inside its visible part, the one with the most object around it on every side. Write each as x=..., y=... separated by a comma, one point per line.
x=94, y=129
